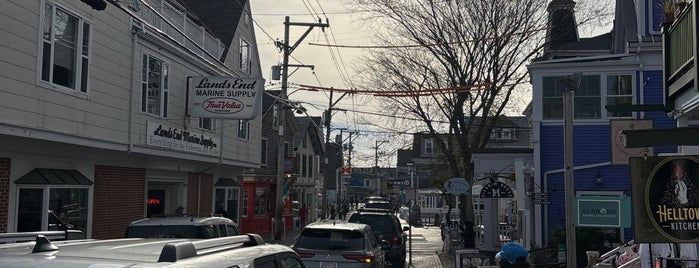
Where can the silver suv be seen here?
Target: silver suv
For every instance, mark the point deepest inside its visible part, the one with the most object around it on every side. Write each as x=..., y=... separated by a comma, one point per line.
x=182, y=227
x=244, y=251
x=339, y=245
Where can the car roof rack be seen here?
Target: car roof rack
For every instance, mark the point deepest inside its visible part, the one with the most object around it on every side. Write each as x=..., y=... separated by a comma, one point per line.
x=173, y=252
x=30, y=236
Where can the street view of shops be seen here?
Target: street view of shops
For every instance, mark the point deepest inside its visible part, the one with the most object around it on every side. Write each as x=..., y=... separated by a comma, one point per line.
x=349, y=133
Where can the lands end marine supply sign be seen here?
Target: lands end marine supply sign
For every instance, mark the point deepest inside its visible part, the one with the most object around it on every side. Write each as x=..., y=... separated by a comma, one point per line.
x=224, y=97
x=165, y=136
x=665, y=195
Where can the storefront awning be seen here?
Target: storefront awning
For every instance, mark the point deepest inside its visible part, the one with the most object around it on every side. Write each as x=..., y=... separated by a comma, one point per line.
x=54, y=176
x=229, y=182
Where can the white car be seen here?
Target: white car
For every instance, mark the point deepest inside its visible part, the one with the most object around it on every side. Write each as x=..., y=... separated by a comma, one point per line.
x=182, y=227
x=328, y=244
x=234, y=251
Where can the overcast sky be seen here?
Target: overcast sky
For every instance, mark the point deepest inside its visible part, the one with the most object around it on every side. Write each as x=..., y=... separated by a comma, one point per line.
x=332, y=66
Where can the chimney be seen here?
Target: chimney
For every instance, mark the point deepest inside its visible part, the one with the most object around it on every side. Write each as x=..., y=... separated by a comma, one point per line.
x=562, y=25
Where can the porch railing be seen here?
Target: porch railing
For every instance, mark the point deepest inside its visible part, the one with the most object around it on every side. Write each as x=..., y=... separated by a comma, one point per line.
x=679, y=38
x=173, y=21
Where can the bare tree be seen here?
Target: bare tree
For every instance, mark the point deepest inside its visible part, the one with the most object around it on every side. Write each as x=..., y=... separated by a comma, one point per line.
x=455, y=61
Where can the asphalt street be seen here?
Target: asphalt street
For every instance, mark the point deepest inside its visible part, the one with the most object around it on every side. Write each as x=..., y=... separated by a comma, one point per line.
x=426, y=247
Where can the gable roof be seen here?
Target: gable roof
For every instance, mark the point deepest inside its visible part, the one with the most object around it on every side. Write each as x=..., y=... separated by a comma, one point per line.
x=310, y=126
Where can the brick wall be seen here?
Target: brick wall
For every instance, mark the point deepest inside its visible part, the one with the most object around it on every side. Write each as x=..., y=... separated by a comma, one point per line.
x=118, y=200
x=4, y=192
x=201, y=205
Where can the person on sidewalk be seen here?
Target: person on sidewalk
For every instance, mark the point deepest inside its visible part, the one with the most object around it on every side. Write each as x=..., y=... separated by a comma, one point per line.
x=333, y=210
x=513, y=255
x=303, y=214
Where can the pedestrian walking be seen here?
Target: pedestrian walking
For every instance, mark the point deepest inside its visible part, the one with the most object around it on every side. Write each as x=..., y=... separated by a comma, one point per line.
x=513, y=255
x=303, y=214
x=345, y=209
x=333, y=210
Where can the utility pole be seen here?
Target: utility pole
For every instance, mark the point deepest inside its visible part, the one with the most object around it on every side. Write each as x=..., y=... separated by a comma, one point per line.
x=287, y=50
x=328, y=118
x=376, y=165
x=571, y=82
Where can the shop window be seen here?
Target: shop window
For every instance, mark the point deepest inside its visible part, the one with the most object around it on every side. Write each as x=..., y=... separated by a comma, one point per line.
x=245, y=203
x=66, y=208
x=261, y=204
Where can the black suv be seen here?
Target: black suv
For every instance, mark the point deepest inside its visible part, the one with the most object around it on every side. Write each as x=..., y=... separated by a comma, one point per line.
x=386, y=226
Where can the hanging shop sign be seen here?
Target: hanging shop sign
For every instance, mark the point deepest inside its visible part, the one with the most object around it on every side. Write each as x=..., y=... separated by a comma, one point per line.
x=496, y=189
x=164, y=136
x=603, y=211
x=456, y=186
x=224, y=97
x=665, y=198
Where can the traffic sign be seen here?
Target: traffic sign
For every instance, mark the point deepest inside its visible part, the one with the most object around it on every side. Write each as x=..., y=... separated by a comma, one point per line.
x=346, y=170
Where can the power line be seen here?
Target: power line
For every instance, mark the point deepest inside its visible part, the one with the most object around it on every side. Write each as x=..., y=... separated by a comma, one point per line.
x=430, y=45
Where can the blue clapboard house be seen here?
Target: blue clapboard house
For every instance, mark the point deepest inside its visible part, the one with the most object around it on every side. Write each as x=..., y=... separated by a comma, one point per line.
x=620, y=76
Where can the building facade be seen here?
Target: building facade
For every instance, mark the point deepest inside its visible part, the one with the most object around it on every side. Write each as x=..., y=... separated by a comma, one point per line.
x=93, y=117
x=617, y=71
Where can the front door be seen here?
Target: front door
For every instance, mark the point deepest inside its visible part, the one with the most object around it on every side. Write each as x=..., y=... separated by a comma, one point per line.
x=227, y=200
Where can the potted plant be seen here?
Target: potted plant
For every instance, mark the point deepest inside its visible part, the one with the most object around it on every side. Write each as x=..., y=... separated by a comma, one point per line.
x=668, y=8
x=679, y=7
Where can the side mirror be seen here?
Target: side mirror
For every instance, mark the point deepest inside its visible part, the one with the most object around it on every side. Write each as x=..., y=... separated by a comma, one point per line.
x=385, y=244
x=406, y=228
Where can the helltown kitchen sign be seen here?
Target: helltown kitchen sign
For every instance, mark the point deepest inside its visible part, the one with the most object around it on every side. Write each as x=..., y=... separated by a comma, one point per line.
x=665, y=195
x=224, y=97
x=181, y=140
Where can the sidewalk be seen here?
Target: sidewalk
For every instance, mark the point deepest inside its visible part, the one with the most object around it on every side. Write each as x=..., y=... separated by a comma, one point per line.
x=287, y=239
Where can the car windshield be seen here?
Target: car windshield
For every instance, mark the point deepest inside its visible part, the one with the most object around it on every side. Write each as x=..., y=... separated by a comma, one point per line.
x=379, y=223
x=328, y=239
x=171, y=231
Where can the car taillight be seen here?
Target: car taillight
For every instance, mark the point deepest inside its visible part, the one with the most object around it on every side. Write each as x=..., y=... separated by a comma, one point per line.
x=360, y=258
x=395, y=239
x=306, y=254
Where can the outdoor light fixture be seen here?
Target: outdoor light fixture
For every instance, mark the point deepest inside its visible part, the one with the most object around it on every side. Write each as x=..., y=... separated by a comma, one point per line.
x=598, y=178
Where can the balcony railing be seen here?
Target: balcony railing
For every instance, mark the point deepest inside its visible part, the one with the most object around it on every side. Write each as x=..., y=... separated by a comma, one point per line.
x=678, y=51
x=174, y=22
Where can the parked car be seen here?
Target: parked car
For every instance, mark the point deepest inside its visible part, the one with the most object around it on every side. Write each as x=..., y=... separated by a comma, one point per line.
x=233, y=251
x=378, y=204
x=328, y=244
x=386, y=226
x=182, y=227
